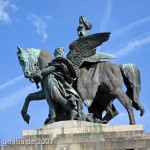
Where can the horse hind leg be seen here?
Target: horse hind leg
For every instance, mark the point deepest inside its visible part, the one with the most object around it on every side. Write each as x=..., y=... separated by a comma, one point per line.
x=127, y=103
x=132, y=80
x=133, y=94
x=111, y=112
x=137, y=101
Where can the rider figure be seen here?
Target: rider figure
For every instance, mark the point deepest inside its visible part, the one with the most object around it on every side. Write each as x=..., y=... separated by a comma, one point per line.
x=58, y=86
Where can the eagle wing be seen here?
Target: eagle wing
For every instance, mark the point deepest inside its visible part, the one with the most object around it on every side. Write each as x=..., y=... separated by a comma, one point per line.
x=85, y=47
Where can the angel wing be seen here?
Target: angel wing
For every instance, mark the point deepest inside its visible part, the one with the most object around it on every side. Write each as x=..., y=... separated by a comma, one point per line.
x=85, y=47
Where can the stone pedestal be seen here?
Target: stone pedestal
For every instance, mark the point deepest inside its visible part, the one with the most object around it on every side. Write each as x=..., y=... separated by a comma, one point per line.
x=80, y=135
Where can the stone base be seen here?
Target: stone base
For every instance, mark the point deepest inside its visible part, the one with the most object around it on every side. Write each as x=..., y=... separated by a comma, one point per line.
x=80, y=135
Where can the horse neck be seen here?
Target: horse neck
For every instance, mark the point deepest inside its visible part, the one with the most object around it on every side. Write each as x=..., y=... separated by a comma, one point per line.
x=44, y=59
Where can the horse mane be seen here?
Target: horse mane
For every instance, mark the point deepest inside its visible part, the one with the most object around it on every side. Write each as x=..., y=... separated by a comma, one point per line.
x=44, y=58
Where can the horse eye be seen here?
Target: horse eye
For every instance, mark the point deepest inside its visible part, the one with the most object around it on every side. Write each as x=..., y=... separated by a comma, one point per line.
x=35, y=64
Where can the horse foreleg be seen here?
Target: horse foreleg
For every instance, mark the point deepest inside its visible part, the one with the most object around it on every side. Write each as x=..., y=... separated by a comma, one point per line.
x=31, y=97
x=127, y=103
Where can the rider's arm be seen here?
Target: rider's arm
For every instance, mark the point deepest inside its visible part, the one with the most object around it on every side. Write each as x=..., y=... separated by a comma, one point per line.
x=47, y=70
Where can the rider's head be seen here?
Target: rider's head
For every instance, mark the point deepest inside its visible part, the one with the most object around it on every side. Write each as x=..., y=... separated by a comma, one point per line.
x=59, y=52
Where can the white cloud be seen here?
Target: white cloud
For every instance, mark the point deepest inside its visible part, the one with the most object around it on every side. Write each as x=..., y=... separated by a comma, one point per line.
x=131, y=46
x=106, y=16
x=14, y=98
x=4, y=14
x=130, y=26
x=13, y=7
x=40, y=24
x=11, y=82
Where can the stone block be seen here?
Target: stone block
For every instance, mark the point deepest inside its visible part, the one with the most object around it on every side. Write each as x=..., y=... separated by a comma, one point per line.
x=80, y=135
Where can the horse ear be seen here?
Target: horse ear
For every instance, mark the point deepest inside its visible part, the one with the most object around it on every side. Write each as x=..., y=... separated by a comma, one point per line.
x=20, y=50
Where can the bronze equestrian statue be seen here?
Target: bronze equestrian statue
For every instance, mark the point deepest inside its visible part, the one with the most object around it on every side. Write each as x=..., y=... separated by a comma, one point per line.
x=98, y=79
x=97, y=82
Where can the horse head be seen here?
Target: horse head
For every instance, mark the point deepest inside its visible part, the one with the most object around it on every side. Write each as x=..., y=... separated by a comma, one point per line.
x=28, y=59
x=32, y=60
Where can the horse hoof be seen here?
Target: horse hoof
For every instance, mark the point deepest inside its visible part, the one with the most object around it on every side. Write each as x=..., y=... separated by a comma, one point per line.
x=104, y=122
x=26, y=118
x=49, y=121
x=142, y=112
x=96, y=120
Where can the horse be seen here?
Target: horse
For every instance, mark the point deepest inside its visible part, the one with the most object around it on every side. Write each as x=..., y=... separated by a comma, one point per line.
x=105, y=85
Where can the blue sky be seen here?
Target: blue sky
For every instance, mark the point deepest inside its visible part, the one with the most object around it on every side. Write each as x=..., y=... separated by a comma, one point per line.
x=49, y=24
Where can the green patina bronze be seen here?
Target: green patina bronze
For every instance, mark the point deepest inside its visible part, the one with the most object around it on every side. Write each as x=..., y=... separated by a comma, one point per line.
x=81, y=77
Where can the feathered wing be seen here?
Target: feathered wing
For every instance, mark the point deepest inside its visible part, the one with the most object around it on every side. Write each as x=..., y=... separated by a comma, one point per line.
x=85, y=47
x=98, y=56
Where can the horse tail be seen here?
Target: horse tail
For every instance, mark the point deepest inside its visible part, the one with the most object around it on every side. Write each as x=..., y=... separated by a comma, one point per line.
x=132, y=80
